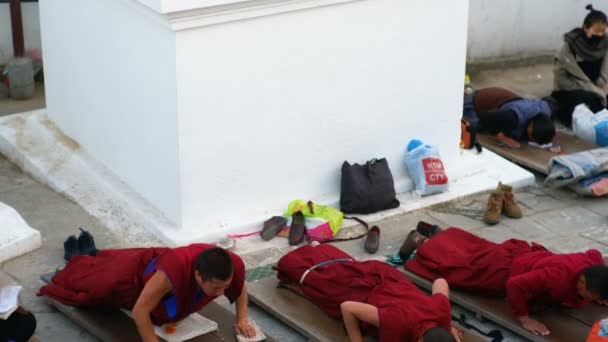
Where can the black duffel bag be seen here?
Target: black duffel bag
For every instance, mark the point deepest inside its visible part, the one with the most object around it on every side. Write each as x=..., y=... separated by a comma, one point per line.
x=367, y=188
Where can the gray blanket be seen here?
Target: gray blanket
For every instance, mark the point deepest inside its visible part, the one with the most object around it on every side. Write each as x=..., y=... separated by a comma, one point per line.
x=572, y=168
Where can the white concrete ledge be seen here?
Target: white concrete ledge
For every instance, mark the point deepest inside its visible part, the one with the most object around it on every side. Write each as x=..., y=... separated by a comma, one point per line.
x=16, y=236
x=217, y=12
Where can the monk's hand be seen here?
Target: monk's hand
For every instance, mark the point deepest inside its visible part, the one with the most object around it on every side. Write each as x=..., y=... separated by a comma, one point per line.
x=243, y=327
x=534, y=326
x=509, y=142
x=457, y=334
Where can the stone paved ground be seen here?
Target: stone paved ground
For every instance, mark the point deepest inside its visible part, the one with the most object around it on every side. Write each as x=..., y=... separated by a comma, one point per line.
x=561, y=220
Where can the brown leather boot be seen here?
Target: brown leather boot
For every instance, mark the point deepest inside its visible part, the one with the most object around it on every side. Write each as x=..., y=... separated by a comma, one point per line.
x=495, y=204
x=509, y=206
x=411, y=243
x=427, y=229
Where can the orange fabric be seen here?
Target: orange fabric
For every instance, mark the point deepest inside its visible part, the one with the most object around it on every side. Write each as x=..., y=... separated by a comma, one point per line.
x=593, y=335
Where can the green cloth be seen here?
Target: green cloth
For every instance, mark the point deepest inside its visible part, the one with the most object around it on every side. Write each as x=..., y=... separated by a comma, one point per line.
x=329, y=214
x=396, y=261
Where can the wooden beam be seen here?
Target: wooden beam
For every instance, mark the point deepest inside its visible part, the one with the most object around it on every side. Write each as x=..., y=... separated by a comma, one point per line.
x=17, y=28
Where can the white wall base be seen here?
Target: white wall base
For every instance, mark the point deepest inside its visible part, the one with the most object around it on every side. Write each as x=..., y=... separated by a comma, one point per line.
x=16, y=236
x=40, y=149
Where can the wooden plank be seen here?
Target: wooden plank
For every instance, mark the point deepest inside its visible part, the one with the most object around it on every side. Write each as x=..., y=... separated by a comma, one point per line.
x=561, y=326
x=106, y=325
x=113, y=325
x=532, y=157
x=589, y=314
x=306, y=318
x=295, y=311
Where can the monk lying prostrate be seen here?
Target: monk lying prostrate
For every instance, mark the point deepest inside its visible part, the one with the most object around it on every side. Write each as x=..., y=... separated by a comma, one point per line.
x=368, y=294
x=159, y=285
x=529, y=275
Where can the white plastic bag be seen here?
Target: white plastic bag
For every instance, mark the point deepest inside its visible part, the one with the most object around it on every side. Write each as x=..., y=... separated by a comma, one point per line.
x=424, y=165
x=590, y=127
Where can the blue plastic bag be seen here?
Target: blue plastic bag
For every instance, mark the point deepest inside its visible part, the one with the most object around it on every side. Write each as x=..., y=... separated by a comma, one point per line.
x=601, y=133
x=424, y=165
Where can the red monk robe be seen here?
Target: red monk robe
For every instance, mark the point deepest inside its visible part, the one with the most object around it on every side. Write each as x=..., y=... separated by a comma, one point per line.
x=527, y=274
x=404, y=311
x=115, y=278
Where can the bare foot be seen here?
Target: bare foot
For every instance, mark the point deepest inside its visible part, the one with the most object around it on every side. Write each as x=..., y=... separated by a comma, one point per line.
x=457, y=334
x=534, y=326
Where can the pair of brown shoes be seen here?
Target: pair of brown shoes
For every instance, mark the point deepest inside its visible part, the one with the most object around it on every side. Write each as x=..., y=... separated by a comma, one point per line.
x=297, y=230
x=417, y=237
x=501, y=201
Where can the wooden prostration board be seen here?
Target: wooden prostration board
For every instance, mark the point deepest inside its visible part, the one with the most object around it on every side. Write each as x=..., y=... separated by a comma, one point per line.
x=114, y=326
x=562, y=326
x=306, y=318
x=533, y=157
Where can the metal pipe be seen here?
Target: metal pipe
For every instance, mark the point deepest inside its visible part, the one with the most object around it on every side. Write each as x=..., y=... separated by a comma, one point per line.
x=17, y=28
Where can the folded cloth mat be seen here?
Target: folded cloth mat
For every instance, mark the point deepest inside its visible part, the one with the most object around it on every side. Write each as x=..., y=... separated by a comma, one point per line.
x=259, y=335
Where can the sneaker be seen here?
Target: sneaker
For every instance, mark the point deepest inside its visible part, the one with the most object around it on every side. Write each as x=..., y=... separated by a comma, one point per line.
x=272, y=227
x=494, y=210
x=509, y=206
x=411, y=243
x=70, y=247
x=427, y=229
x=297, y=231
x=86, y=243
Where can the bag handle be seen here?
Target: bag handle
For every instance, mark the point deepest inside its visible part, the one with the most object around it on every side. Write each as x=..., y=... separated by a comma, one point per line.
x=311, y=207
x=363, y=223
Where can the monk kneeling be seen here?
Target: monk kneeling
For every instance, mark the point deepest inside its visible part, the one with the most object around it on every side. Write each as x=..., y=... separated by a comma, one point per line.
x=368, y=294
x=528, y=274
x=160, y=285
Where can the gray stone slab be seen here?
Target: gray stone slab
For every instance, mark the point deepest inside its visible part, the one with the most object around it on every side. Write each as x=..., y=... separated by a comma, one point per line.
x=562, y=326
x=570, y=244
x=597, y=205
x=393, y=232
x=533, y=81
x=599, y=235
x=529, y=229
x=56, y=217
x=498, y=233
x=571, y=221
x=7, y=280
x=11, y=176
x=55, y=326
x=466, y=214
x=536, y=200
